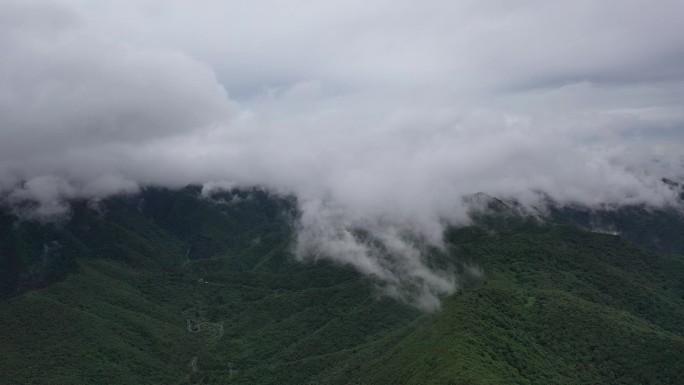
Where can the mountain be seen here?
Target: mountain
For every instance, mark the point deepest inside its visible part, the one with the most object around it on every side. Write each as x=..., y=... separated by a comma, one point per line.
x=170, y=287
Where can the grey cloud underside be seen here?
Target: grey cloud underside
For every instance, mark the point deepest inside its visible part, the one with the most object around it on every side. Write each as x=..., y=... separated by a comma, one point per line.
x=379, y=116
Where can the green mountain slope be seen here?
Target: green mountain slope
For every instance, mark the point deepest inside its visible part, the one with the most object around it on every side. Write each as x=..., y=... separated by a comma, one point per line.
x=167, y=287
x=560, y=306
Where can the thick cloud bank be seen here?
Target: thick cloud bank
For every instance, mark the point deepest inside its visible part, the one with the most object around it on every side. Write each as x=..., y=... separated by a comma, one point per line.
x=380, y=116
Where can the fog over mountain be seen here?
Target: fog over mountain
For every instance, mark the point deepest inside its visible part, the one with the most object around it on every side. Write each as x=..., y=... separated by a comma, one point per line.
x=377, y=115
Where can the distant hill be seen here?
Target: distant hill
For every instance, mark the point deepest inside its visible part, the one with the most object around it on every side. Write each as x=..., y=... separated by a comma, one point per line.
x=167, y=287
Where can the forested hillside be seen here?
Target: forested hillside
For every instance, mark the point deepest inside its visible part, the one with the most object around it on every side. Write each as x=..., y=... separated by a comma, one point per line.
x=169, y=287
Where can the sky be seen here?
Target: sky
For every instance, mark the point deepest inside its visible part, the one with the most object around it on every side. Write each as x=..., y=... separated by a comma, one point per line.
x=377, y=115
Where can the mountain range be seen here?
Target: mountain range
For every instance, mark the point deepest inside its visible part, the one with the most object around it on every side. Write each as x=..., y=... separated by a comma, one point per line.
x=171, y=287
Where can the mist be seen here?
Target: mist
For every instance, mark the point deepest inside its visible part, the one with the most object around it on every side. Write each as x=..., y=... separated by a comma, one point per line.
x=378, y=116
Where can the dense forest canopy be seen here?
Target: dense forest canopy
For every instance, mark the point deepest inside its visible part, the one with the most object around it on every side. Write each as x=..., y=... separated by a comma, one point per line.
x=170, y=287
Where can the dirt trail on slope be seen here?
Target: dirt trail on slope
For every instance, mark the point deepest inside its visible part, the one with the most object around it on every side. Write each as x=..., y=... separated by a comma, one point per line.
x=193, y=327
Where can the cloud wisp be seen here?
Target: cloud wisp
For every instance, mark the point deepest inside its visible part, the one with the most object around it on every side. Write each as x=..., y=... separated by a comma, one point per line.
x=379, y=116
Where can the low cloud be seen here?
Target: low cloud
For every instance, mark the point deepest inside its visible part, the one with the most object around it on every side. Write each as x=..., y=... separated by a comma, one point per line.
x=379, y=122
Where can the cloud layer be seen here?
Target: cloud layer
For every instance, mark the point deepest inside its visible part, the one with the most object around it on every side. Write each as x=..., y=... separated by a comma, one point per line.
x=379, y=116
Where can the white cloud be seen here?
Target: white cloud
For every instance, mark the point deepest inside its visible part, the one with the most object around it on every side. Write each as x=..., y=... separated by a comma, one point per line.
x=380, y=116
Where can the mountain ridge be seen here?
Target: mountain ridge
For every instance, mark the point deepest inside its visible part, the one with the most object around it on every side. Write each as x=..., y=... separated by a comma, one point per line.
x=553, y=303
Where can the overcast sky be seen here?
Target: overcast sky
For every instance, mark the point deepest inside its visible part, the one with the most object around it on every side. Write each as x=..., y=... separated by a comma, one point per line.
x=376, y=114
